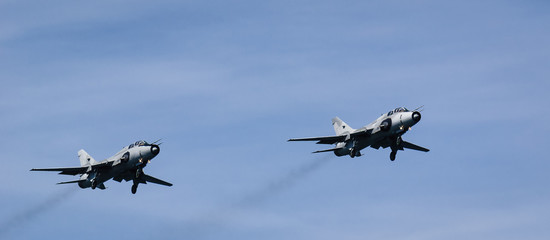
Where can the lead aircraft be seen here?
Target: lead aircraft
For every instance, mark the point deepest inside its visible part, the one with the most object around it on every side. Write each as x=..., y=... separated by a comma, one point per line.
x=126, y=165
x=386, y=131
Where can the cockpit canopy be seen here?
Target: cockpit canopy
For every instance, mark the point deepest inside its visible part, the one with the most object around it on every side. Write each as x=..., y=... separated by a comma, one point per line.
x=399, y=109
x=138, y=143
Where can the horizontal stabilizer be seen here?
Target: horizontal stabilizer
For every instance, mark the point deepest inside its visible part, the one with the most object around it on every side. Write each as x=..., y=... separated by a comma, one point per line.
x=409, y=145
x=76, y=181
x=321, y=140
x=327, y=150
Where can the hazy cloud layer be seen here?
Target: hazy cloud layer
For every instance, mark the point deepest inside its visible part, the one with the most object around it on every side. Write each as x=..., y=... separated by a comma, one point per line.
x=225, y=84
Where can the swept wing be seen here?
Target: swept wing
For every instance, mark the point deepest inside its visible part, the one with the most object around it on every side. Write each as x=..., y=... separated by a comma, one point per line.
x=74, y=170
x=150, y=179
x=144, y=178
x=409, y=145
x=335, y=139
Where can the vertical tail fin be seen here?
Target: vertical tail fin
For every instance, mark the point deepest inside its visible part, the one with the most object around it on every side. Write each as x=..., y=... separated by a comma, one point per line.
x=85, y=158
x=340, y=127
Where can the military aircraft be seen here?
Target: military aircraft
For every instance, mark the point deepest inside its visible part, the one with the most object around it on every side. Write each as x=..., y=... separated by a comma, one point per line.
x=385, y=132
x=127, y=164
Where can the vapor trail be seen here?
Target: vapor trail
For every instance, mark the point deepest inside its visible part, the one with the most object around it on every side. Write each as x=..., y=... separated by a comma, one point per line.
x=30, y=213
x=283, y=183
x=201, y=226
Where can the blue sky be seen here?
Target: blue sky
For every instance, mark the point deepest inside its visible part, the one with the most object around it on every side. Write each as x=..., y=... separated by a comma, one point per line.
x=226, y=83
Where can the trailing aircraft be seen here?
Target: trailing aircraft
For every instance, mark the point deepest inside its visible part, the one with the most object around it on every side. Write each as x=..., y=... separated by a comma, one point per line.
x=126, y=165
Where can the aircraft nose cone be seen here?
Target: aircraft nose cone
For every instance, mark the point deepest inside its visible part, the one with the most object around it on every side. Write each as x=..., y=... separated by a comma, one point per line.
x=416, y=116
x=155, y=149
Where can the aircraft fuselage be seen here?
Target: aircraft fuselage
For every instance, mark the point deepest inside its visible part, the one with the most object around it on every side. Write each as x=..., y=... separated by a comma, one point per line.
x=130, y=158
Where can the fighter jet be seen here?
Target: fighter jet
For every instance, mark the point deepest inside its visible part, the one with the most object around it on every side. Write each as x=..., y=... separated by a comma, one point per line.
x=126, y=165
x=385, y=132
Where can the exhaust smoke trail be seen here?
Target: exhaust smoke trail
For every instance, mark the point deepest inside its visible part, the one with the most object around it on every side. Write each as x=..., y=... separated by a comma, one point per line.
x=210, y=222
x=279, y=185
x=32, y=212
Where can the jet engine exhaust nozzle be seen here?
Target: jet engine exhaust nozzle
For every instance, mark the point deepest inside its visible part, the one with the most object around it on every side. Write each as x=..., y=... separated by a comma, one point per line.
x=416, y=116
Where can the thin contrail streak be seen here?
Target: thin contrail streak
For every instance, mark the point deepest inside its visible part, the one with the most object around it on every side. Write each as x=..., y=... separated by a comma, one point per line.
x=201, y=226
x=281, y=184
x=28, y=214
